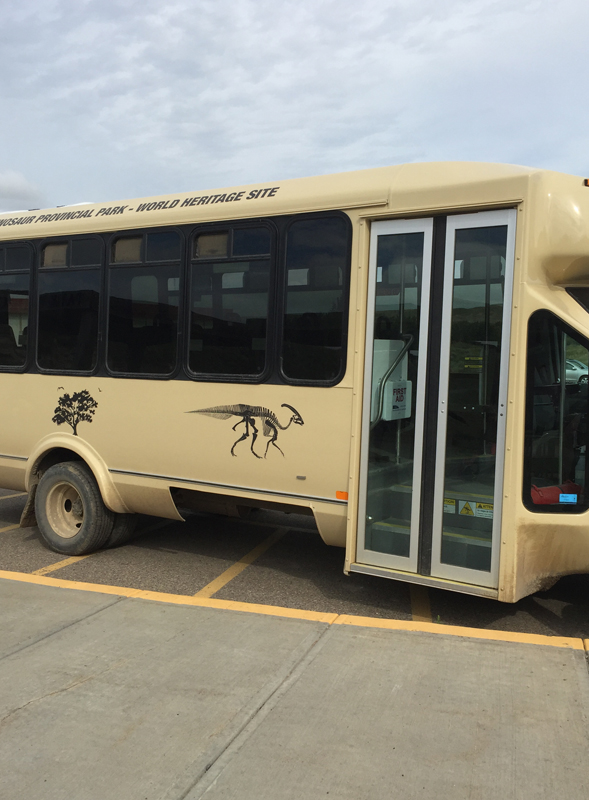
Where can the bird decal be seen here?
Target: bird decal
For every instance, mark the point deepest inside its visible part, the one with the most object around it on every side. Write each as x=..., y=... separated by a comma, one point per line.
x=249, y=415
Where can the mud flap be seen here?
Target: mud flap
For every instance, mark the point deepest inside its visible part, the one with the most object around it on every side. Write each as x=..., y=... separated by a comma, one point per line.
x=28, y=518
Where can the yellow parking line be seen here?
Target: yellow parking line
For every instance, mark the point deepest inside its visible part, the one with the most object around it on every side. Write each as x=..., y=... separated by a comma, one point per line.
x=420, y=606
x=570, y=643
x=10, y=496
x=211, y=588
x=9, y=528
x=456, y=630
x=59, y=565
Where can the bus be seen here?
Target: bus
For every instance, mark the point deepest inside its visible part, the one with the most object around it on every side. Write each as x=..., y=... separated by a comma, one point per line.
x=401, y=352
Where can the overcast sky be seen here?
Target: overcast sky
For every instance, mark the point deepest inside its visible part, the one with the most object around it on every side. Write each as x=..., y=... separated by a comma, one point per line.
x=110, y=99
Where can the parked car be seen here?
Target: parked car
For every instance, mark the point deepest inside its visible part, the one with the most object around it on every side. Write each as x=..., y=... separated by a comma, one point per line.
x=576, y=371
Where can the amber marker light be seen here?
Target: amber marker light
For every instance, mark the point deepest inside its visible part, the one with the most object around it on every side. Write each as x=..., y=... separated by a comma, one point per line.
x=586, y=182
x=341, y=495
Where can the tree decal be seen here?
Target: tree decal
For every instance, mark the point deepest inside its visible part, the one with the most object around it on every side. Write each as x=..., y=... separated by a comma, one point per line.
x=74, y=409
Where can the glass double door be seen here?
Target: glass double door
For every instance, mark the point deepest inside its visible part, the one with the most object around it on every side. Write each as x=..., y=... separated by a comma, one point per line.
x=434, y=395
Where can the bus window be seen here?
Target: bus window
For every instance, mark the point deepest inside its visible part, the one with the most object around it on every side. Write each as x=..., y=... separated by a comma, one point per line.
x=229, y=303
x=314, y=326
x=163, y=246
x=126, y=250
x=55, y=255
x=143, y=319
x=86, y=253
x=211, y=245
x=68, y=320
x=19, y=258
x=251, y=242
x=556, y=417
x=14, y=303
x=14, y=319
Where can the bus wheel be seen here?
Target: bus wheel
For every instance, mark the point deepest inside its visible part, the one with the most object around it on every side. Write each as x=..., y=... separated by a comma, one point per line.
x=122, y=531
x=70, y=513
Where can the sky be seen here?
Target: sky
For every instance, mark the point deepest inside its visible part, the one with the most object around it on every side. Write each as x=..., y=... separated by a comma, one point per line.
x=113, y=99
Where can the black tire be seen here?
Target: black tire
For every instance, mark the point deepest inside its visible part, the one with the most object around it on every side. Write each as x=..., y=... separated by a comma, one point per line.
x=71, y=515
x=122, y=531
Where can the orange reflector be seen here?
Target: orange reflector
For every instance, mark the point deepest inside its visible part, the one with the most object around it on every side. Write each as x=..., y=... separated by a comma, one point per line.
x=586, y=181
x=341, y=495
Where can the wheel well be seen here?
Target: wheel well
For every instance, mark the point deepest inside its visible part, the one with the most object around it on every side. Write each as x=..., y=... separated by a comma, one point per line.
x=49, y=459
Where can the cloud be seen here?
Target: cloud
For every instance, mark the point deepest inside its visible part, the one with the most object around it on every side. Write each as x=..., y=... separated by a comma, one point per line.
x=117, y=98
x=16, y=193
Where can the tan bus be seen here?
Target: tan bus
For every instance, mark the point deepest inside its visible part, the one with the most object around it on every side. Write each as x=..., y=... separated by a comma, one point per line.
x=400, y=352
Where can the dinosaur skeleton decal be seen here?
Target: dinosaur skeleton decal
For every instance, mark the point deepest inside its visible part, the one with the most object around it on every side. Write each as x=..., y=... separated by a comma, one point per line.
x=249, y=415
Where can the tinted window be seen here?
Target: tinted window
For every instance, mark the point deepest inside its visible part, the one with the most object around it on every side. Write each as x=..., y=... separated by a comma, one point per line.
x=555, y=462
x=18, y=258
x=86, y=252
x=14, y=319
x=68, y=320
x=316, y=291
x=163, y=246
x=143, y=320
x=251, y=241
x=229, y=310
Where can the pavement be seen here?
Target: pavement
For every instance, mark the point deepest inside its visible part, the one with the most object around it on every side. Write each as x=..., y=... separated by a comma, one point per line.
x=106, y=694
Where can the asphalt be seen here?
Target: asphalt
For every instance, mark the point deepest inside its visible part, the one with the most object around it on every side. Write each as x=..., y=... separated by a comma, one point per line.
x=106, y=696
x=297, y=570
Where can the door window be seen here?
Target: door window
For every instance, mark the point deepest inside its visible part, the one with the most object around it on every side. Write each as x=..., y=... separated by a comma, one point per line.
x=470, y=408
x=394, y=376
x=394, y=392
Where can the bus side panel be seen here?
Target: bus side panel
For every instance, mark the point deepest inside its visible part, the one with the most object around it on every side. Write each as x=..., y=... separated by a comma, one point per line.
x=287, y=442
x=548, y=550
x=12, y=474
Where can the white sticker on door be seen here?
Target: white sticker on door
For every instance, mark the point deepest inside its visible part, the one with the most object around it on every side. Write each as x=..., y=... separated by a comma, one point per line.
x=484, y=510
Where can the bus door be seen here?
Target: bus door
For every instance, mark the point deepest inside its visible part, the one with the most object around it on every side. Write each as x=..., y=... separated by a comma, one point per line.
x=439, y=309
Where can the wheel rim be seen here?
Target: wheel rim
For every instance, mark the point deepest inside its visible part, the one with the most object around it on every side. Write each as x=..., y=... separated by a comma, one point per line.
x=65, y=510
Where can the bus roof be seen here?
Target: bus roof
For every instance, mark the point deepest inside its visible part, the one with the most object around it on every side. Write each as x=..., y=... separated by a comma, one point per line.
x=406, y=188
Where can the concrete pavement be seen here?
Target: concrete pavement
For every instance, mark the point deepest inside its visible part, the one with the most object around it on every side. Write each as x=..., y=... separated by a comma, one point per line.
x=105, y=696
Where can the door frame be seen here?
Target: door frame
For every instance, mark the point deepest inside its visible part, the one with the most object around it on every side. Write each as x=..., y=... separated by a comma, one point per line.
x=367, y=559
x=482, y=219
x=383, y=228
